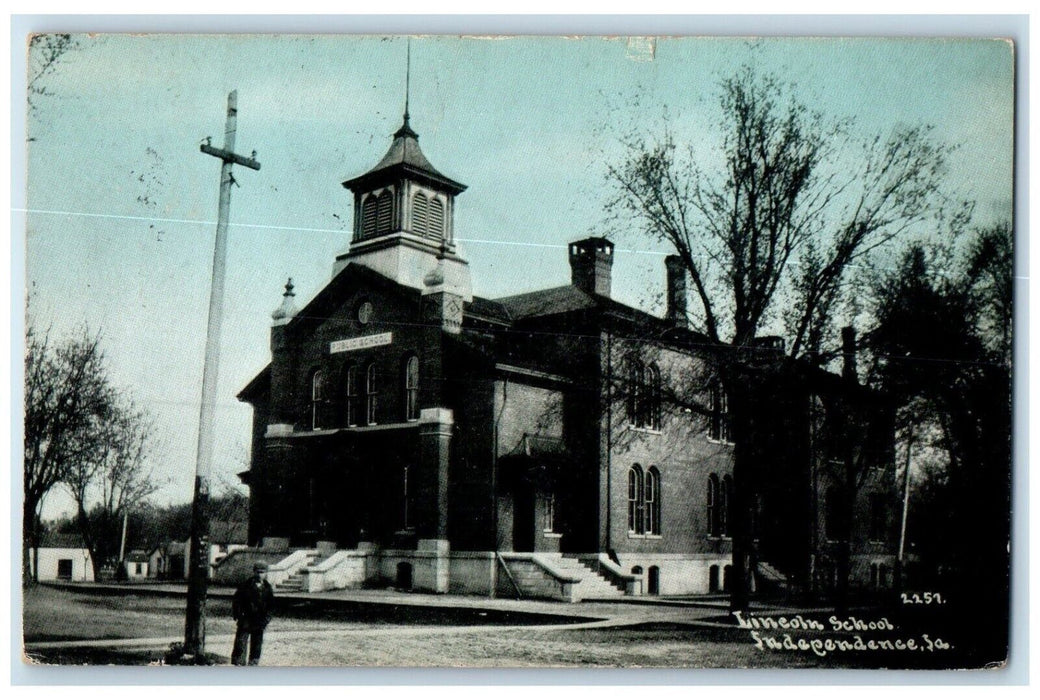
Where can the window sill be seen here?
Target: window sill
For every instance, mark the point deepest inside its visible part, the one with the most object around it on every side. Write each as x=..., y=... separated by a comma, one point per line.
x=720, y=538
x=551, y=535
x=642, y=429
x=716, y=441
x=643, y=536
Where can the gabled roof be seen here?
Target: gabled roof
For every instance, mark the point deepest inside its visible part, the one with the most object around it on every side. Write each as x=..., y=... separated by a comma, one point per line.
x=487, y=309
x=257, y=385
x=319, y=308
x=405, y=157
x=546, y=302
x=61, y=540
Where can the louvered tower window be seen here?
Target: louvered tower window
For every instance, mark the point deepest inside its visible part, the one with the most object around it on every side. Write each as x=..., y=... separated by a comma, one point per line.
x=435, y=227
x=385, y=212
x=420, y=214
x=368, y=216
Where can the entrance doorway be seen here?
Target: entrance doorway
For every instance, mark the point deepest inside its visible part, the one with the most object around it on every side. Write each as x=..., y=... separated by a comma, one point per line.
x=404, y=576
x=65, y=569
x=653, y=583
x=523, y=520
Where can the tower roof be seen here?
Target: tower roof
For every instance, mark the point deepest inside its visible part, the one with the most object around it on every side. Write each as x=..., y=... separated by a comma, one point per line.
x=405, y=158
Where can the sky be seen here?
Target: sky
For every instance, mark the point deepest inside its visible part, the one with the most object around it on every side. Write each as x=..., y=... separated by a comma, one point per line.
x=122, y=205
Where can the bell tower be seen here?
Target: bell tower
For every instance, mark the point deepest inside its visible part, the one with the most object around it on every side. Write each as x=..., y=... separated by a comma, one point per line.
x=404, y=211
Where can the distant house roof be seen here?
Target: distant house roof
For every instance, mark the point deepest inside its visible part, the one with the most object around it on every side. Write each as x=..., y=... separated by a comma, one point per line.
x=137, y=555
x=62, y=540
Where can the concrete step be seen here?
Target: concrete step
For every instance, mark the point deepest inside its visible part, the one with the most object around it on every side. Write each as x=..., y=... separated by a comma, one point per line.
x=601, y=583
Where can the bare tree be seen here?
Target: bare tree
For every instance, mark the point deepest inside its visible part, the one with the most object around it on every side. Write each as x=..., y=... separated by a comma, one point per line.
x=67, y=398
x=46, y=52
x=770, y=237
x=111, y=479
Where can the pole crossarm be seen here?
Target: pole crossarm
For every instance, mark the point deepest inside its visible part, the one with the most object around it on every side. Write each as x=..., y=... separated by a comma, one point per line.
x=229, y=157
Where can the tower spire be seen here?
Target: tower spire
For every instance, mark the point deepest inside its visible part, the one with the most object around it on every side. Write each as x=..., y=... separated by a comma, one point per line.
x=407, y=78
x=406, y=129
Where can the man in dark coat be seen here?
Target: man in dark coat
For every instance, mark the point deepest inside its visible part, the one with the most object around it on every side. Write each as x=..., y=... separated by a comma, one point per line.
x=251, y=608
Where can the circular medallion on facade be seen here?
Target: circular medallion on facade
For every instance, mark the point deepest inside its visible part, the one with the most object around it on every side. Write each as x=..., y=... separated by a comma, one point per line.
x=364, y=312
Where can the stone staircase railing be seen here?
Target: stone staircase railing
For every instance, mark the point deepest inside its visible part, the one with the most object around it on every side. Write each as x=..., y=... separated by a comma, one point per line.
x=632, y=583
x=538, y=577
x=343, y=569
x=290, y=565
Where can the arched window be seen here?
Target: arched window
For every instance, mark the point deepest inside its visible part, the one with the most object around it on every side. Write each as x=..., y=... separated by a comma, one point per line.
x=351, y=398
x=317, y=398
x=643, y=394
x=635, y=500
x=642, y=399
x=652, y=393
x=720, y=419
x=370, y=394
x=726, y=505
x=385, y=212
x=411, y=388
x=420, y=214
x=653, y=501
x=713, y=505
x=368, y=216
x=435, y=227
x=633, y=384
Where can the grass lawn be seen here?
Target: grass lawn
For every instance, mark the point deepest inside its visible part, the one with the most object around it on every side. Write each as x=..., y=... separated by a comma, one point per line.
x=51, y=614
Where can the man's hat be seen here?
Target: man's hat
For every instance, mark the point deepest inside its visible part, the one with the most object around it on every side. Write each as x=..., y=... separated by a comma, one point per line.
x=259, y=567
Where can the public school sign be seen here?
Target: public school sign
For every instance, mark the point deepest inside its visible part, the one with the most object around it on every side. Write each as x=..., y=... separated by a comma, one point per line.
x=365, y=341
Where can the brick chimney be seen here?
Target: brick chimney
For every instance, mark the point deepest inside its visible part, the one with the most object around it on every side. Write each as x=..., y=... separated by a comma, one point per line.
x=591, y=260
x=676, y=291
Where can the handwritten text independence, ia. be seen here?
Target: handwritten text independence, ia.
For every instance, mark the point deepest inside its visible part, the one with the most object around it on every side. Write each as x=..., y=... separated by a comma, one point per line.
x=761, y=628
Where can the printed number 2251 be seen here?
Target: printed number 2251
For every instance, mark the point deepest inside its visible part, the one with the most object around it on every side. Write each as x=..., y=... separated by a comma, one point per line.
x=922, y=598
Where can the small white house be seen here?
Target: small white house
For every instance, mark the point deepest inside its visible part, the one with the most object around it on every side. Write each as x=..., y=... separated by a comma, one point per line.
x=62, y=557
x=137, y=565
x=158, y=562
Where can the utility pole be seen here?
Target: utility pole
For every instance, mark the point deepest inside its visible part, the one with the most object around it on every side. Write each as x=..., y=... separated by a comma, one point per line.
x=198, y=575
x=122, y=540
x=906, y=509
